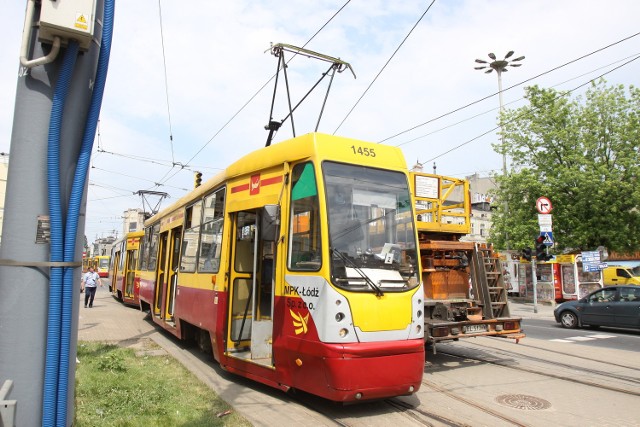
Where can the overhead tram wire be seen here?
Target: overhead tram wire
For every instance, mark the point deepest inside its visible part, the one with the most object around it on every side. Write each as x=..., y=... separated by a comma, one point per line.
x=141, y=179
x=264, y=85
x=137, y=158
x=383, y=67
x=166, y=81
x=509, y=88
x=508, y=103
x=519, y=116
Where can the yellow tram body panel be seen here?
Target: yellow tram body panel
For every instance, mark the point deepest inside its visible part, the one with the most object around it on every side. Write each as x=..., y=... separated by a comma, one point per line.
x=392, y=311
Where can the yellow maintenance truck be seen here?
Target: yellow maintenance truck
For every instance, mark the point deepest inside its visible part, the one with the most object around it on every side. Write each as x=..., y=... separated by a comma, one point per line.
x=465, y=295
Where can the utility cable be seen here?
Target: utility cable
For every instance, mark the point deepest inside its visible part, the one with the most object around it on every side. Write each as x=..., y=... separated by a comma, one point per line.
x=263, y=86
x=509, y=103
x=142, y=179
x=509, y=88
x=166, y=81
x=383, y=67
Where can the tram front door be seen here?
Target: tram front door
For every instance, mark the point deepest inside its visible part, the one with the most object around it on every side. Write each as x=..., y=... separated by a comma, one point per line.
x=251, y=301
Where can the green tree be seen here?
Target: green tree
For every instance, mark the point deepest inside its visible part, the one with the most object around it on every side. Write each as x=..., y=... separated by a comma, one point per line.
x=584, y=155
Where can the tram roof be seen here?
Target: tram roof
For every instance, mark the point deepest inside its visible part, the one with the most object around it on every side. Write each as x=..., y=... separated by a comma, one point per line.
x=312, y=145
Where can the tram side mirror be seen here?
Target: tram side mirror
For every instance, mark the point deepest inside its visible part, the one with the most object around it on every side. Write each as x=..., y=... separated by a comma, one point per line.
x=270, y=223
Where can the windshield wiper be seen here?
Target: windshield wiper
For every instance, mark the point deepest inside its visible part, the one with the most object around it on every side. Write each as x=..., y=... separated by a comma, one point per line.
x=362, y=274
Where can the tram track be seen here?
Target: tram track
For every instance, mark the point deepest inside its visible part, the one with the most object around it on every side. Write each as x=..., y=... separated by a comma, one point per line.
x=445, y=421
x=560, y=353
x=502, y=358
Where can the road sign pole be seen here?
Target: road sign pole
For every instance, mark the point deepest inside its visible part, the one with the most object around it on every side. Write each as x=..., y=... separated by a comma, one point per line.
x=534, y=280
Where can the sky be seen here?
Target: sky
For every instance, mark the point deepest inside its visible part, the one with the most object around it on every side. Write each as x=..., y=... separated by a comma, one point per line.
x=190, y=83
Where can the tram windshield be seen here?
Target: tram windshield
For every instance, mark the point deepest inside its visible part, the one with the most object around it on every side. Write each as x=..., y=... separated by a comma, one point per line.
x=371, y=230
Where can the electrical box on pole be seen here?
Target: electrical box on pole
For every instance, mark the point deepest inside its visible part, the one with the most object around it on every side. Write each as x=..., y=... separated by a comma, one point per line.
x=67, y=19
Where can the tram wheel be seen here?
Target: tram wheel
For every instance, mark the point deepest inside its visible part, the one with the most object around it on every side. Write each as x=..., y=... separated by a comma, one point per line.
x=204, y=341
x=568, y=320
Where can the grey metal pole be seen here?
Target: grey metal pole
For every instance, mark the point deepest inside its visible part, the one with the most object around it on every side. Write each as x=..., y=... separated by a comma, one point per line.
x=24, y=287
x=534, y=281
x=504, y=153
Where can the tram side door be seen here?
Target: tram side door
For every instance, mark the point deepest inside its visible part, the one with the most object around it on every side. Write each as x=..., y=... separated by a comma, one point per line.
x=250, y=312
x=113, y=288
x=167, y=274
x=172, y=267
x=129, y=272
x=160, y=273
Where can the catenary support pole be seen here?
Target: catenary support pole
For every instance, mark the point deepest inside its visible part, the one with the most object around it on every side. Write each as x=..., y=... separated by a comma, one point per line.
x=24, y=253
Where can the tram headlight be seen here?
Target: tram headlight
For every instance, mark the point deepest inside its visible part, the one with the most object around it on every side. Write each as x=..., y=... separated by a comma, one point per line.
x=343, y=332
x=339, y=317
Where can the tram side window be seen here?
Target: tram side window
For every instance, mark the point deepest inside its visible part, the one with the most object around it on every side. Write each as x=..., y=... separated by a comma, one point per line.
x=123, y=248
x=190, y=237
x=304, y=228
x=142, y=253
x=212, y=227
x=144, y=247
x=153, y=247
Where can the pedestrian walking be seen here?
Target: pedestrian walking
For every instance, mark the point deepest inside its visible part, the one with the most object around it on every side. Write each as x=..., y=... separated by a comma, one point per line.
x=89, y=284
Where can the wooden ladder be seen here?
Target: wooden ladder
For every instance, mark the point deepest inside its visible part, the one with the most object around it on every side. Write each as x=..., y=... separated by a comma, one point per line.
x=488, y=282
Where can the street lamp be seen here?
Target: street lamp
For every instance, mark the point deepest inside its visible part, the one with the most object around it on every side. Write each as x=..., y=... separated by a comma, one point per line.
x=500, y=66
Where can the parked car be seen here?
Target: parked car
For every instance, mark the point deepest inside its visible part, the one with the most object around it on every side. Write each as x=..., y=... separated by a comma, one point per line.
x=620, y=275
x=617, y=306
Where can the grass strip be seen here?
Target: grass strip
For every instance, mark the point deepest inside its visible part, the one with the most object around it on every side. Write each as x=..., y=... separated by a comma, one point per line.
x=118, y=386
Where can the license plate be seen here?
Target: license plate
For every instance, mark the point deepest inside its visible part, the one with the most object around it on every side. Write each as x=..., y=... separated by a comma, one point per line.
x=474, y=329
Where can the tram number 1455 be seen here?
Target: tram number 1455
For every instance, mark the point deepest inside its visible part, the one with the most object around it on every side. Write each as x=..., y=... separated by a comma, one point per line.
x=367, y=152
x=299, y=304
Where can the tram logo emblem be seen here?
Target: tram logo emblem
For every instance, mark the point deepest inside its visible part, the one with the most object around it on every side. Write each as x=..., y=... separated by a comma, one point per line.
x=254, y=184
x=299, y=322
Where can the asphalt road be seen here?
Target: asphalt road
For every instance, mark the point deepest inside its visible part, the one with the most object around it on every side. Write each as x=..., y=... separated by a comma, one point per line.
x=613, y=338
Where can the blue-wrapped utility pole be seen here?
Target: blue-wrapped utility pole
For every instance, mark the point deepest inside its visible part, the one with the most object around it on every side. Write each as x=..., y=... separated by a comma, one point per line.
x=25, y=250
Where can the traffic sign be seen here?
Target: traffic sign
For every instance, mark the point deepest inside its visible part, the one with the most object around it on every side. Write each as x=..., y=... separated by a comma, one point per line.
x=590, y=261
x=543, y=205
x=548, y=238
x=545, y=219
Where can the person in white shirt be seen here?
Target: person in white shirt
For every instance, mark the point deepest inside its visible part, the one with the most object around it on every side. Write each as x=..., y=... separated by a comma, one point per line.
x=89, y=283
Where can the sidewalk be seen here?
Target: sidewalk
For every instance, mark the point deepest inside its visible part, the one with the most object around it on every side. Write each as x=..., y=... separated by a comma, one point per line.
x=527, y=310
x=110, y=321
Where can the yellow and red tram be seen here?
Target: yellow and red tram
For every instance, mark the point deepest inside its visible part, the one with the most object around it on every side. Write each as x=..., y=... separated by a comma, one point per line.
x=101, y=265
x=297, y=267
x=124, y=282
